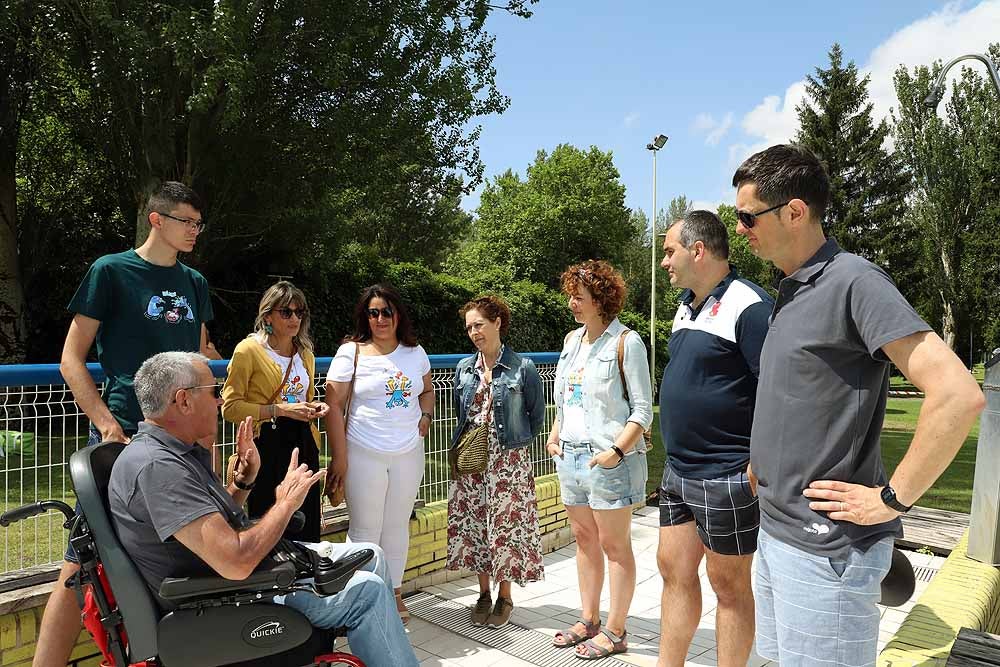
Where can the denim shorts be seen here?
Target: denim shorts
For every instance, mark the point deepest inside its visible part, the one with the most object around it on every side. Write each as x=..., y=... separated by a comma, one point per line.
x=814, y=610
x=600, y=488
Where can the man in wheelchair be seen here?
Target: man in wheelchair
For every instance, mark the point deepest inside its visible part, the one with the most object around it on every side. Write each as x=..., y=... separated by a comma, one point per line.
x=174, y=517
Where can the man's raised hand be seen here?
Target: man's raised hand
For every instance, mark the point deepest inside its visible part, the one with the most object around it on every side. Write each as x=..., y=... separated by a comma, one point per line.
x=298, y=480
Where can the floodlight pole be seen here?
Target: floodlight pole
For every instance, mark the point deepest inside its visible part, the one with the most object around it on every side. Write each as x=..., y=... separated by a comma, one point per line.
x=984, y=520
x=658, y=142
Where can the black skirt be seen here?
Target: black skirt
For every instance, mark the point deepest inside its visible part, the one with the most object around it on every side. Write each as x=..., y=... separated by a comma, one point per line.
x=275, y=447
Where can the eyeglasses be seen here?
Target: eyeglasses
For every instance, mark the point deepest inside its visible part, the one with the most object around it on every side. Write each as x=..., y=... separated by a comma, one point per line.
x=217, y=389
x=286, y=313
x=750, y=219
x=198, y=225
x=386, y=312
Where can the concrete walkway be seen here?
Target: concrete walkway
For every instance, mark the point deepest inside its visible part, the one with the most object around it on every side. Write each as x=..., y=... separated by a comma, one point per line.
x=553, y=604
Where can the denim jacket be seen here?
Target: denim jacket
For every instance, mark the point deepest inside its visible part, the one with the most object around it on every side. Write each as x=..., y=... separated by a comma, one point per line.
x=604, y=403
x=518, y=400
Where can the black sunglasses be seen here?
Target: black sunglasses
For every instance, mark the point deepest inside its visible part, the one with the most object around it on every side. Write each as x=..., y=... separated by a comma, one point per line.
x=217, y=389
x=386, y=312
x=750, y=219
x=286, y=313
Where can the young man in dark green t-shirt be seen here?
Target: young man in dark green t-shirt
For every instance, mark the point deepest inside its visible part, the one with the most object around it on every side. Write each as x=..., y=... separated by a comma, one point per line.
x=134, y=304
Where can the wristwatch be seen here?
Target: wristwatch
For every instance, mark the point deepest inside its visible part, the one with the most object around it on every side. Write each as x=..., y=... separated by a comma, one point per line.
x=889, y=498
x=244, y=487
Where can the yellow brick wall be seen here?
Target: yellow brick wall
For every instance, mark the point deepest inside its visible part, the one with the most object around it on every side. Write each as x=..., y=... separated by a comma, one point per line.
x=963, y=594
x=19, y=631
x=428, y=554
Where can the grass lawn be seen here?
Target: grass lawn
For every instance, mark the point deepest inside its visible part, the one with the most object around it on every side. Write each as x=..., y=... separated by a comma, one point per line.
x=952, y=491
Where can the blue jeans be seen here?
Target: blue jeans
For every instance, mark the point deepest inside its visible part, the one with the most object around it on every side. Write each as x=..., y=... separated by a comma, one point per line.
x=601, y=488
x=814, y=610
x=366, y=607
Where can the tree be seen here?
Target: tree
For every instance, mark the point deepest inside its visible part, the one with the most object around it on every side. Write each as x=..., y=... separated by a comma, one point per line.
x=304, y=125
x=570, y=207
x=21, y=28
x=956, y=206
x=868, y=184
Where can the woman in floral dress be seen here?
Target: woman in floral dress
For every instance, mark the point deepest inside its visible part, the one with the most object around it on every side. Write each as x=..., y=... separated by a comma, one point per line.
x=492, y=516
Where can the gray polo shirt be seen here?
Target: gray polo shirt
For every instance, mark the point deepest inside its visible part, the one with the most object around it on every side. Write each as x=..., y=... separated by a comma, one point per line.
x=159, y=485
x=821, y=395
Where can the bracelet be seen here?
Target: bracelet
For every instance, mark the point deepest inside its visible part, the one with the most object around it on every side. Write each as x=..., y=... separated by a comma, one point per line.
x=618, y=450
x=244, y=487
x=428, y=415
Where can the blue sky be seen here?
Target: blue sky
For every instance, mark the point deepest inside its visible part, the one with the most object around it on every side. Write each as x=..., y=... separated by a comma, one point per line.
x=721, y=79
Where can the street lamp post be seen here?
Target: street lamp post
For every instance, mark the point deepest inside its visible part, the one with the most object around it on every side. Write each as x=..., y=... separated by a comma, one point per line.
x=658, y=142
x=984, y=521
x=937, y=90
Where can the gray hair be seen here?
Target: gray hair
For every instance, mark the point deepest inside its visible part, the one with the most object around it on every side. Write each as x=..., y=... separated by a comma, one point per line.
x=706, y=227
x=160, y=376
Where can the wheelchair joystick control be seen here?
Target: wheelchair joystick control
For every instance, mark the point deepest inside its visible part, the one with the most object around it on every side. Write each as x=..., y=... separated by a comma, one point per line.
x=332, y=576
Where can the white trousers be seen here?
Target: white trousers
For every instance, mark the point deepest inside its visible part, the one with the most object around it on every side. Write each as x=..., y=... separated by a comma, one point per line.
x=381, y=488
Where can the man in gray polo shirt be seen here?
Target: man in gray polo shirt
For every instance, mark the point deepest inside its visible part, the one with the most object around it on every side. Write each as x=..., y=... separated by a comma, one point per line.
x=828, y=514
x=175, y=519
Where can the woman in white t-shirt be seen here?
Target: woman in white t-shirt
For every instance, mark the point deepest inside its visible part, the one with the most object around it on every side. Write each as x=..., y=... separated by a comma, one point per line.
x=390, y=413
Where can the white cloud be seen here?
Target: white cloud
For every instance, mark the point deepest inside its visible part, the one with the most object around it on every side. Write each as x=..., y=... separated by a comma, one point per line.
x=714, y=130
x=942, y=36
x=703, y=122
x=631, y=119
x=715, y=136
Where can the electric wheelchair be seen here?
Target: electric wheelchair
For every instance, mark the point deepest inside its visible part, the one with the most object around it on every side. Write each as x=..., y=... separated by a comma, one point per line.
x=202, y=621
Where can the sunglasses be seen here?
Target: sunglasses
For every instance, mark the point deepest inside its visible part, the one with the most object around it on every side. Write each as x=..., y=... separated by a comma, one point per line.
x=217, y=389
x=286, y=313
x=750, y=219
x=386, y=312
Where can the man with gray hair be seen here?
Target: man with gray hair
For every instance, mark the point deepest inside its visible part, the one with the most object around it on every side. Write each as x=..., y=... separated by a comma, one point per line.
x=175, y=518
x=707, y=506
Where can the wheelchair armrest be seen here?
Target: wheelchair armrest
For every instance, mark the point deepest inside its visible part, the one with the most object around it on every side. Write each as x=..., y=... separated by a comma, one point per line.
x=332, y=576
x=181, y=588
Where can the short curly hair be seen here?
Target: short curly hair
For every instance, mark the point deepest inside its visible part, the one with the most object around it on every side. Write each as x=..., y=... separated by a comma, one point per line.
x=492, y=308
x=603, y=282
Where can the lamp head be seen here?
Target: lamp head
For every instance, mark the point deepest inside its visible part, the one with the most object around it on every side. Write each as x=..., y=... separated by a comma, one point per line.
x=934, y=98
x=659, y=141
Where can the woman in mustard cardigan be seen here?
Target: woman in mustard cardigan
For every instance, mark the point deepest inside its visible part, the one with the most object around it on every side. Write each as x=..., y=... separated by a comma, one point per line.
x=270, y=379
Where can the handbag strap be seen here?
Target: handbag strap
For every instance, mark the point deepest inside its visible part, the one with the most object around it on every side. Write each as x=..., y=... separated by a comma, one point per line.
x=621, y=362
x=354, y=376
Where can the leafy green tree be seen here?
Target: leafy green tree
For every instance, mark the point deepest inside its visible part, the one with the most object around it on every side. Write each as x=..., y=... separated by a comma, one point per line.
x=570, y=207
x=954, y=162
x=868, y=183
x=304, y=125
x=21, y=30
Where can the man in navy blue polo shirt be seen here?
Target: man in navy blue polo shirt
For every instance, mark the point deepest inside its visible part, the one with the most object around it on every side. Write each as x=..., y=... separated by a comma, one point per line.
x=707, y=506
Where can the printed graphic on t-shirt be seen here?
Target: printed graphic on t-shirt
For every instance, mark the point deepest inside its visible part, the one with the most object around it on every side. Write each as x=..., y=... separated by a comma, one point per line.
x=294, y=390
x=574, y=387
x=399, y=389
x=170, y=307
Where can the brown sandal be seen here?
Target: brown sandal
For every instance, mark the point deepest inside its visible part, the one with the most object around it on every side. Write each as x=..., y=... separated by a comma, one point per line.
x=592, y=629
x=595, y=651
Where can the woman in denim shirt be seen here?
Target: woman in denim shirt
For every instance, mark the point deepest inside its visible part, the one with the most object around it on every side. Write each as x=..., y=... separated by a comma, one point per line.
x=600, y=453
x=492, y=517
